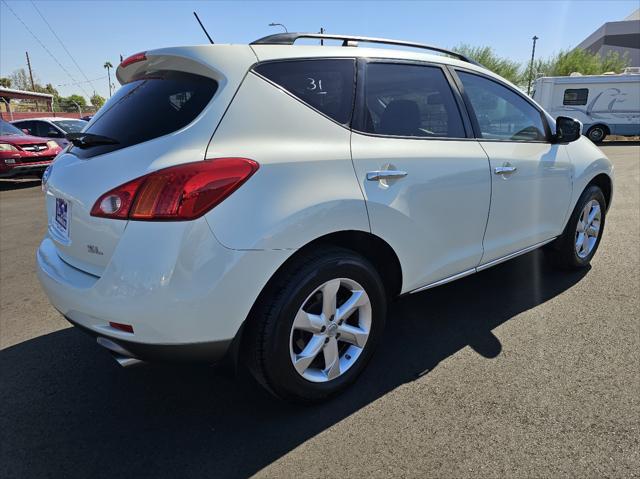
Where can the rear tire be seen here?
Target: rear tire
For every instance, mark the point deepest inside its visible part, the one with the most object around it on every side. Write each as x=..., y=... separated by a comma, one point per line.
x=579, y=242
x=597, y=133
x=298, y=347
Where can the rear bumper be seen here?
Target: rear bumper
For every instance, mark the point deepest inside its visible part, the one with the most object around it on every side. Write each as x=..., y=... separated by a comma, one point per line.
x=209, y=352
x=24, y=169
x=185, y=295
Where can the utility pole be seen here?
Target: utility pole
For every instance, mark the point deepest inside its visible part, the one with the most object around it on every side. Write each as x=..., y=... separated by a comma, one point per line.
x=321, y=33
x=33, y=87
x=533, y=54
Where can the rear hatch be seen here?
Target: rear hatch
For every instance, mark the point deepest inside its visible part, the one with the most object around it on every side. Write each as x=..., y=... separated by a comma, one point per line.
x=164, y=114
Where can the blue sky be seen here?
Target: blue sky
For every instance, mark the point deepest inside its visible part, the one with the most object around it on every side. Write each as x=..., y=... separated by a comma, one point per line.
x=96, y=31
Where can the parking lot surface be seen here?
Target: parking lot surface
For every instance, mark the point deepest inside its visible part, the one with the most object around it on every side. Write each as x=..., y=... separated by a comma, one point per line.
x=518, y=371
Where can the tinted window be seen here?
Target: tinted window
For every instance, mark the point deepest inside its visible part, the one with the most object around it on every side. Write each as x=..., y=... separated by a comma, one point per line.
x=409, y=100
x=148, y=107
x=575, y=96
x=502, y=113
x=10, y=130
x=326, y=85
x=47, y=130
x=71, y=126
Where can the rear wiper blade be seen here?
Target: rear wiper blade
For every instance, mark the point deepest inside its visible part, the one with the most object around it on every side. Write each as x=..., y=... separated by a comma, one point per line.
x=83, y=140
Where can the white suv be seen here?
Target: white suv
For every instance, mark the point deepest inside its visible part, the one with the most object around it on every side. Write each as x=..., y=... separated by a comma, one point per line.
x=268, y=200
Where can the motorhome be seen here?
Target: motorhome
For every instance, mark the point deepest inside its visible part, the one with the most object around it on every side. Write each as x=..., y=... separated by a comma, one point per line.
x=605, y=104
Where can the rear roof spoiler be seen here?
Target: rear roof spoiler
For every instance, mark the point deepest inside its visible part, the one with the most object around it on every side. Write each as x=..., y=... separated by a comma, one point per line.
x=349, y=41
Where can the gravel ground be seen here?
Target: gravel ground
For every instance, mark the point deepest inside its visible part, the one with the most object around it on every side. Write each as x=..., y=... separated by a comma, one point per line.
x=519, y=371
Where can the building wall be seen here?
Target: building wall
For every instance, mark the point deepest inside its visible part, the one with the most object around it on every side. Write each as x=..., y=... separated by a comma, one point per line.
x=622, y=37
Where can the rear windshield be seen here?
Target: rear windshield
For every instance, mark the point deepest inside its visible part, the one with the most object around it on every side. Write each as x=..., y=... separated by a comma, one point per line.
x=153, y=105
x=71, y=126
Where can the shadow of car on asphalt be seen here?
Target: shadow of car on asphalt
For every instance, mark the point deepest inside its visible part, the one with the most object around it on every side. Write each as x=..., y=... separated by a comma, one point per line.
x=69, y=410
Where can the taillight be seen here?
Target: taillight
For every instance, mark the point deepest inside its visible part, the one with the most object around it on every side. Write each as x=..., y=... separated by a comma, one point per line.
x=177, y=193
x=137, y=57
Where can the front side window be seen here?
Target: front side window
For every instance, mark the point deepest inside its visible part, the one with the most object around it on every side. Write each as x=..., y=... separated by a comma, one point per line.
x=502, y=114
x=326, y=85
x=575, y=96
x=48, y=131
x=409, y=100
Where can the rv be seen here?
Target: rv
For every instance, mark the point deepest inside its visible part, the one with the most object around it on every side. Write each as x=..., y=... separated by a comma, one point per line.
x=605, y=104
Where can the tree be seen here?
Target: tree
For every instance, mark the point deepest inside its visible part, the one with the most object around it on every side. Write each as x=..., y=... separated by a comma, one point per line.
x=69, y=103
x=581, y=61
x=20, y=80
x=97, y=100
x=5, y=82
x=487, y=57
x=108, y=66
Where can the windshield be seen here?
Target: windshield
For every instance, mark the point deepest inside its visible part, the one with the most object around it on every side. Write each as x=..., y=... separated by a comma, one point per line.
x=71, y=126
x=7, y=129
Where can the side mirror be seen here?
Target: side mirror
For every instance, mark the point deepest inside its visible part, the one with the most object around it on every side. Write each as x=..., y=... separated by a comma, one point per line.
x=567, y=129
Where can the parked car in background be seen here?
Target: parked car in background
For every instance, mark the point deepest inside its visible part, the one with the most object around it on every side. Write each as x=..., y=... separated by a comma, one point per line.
x=52, y=128
x=605, y=104
x=22, y=154
x=268, y=200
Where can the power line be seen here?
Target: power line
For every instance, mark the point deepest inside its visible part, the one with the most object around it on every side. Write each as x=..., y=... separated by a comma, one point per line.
x=78, y=83
x=63, y=45
x=44, y=47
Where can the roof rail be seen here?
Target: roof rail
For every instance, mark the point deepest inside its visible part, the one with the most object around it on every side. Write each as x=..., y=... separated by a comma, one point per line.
x=290, y=38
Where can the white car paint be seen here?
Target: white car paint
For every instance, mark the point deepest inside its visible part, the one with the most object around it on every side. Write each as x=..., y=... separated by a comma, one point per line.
x=181, y=283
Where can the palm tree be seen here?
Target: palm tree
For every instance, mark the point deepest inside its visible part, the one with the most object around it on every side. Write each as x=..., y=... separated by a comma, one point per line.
x=108, y=66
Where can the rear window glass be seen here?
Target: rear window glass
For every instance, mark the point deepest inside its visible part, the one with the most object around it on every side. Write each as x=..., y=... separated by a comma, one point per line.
x=148, y=107
x=326, y=85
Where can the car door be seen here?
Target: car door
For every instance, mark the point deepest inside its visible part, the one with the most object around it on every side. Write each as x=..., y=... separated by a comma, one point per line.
x=531, y=178
x=426, y=181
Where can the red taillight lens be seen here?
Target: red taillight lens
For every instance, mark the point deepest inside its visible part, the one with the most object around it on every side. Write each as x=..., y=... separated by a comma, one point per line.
x=177, y=193
x=138, y=57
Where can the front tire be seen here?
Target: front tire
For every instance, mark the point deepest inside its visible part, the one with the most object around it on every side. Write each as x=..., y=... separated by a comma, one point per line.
x=579, y=242
x=315, y=328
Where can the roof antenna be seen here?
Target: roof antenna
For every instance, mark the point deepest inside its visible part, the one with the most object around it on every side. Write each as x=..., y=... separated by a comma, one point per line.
x=202, y=26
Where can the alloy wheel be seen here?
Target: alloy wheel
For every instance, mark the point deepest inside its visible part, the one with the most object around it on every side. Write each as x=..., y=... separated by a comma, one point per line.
x=588, y=229
x=330, y=330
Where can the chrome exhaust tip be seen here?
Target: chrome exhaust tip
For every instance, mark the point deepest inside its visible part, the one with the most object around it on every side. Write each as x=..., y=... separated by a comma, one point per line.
x=125, y=361
x=123, y=357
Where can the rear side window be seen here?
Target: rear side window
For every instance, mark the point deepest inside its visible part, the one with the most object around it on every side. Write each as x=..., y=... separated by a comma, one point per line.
x=575, y=96
x=326, y=85
x=153, y=105
x=410, y=100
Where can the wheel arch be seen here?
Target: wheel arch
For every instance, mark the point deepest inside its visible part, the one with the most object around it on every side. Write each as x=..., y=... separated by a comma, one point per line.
x=376, y=250
x=604, y=182
x=372, y=247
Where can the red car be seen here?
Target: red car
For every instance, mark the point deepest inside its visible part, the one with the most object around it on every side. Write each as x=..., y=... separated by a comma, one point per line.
x=22, y=154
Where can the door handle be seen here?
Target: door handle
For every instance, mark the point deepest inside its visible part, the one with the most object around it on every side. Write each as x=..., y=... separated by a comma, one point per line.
x=385, y=175
x=504, y=170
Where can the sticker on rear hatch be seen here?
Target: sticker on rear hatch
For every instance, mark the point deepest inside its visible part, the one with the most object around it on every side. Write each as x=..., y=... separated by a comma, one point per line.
x=61, y=220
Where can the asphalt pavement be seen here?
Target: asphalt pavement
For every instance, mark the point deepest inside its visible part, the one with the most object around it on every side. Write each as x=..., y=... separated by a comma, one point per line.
x=518, y=371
